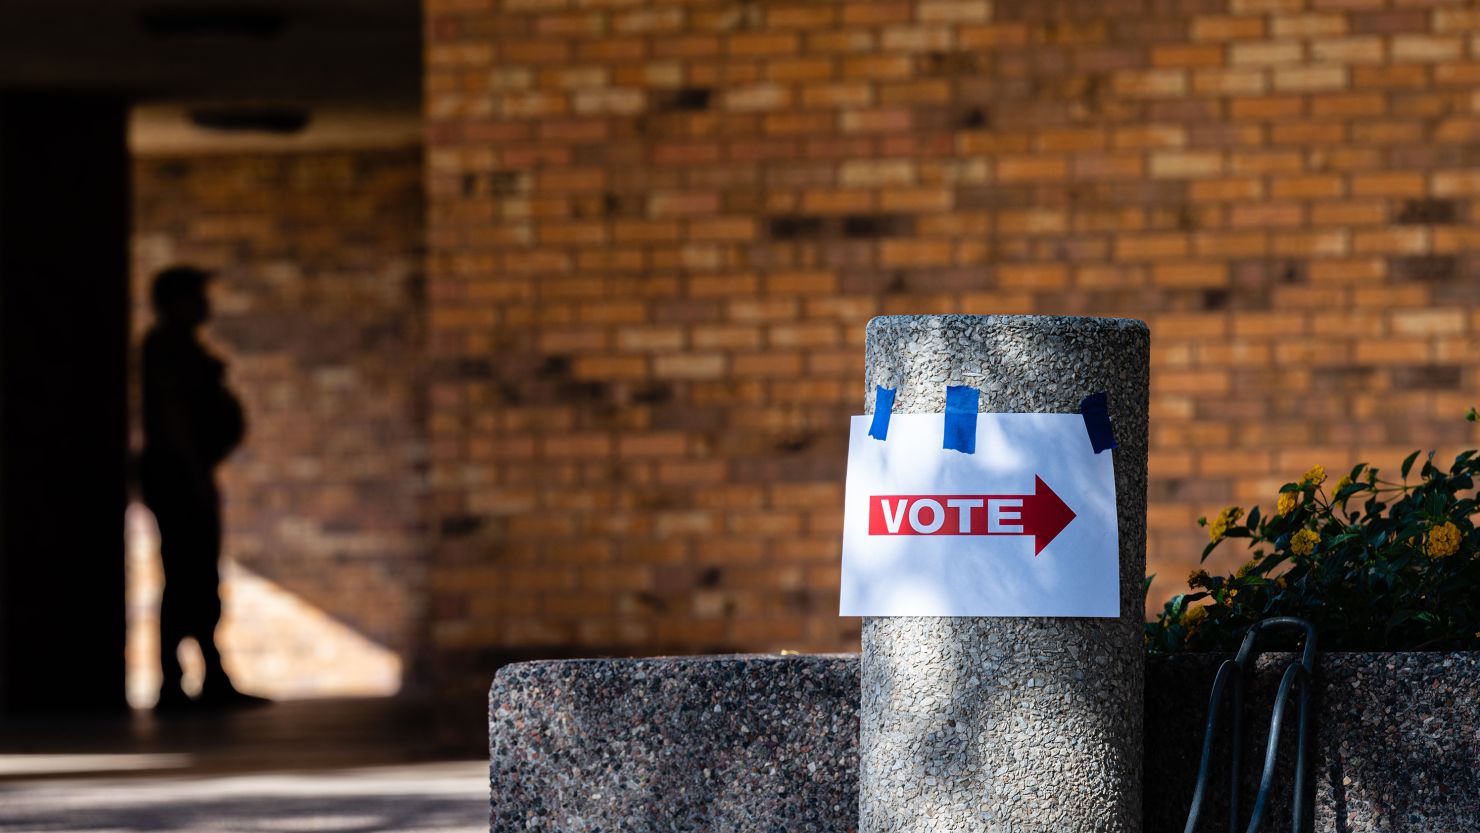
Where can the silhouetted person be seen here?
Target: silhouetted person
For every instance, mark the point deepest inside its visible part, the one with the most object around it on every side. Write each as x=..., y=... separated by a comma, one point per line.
x=191, y=423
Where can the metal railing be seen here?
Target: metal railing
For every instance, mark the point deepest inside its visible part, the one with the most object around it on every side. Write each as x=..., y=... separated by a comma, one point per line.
x=1232, y=672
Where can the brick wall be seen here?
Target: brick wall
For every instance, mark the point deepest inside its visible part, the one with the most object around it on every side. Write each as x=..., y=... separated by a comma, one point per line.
x=319, y=311
x=657, y=231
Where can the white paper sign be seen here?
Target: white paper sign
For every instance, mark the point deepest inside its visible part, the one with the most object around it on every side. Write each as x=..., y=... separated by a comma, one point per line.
x=1023, y=527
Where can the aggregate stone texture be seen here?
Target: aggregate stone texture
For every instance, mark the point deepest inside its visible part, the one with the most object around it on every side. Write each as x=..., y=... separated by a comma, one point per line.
x=1011, y=725
x=590, y=745
x=752, y=744
x=1395, y=746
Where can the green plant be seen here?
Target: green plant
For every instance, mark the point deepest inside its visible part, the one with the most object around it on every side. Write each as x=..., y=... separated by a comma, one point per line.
x=1376, y=565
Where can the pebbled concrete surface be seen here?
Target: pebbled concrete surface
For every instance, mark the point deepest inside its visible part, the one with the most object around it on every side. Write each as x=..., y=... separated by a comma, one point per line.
x=635, y=745
x=1395, y=747
x=726, y=744
x=1011, y=725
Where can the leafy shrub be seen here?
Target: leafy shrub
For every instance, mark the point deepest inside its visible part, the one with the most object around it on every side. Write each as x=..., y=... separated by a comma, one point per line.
x=1375, y=565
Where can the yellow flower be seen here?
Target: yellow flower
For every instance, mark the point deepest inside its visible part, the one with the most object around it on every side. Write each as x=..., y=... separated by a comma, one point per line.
x=1219, y=525
x=1304, y=542
x=1197, y=578
x=1282, y=582
x=1194, y=616
x=1287, y=502
x=1341, y=484
x=1315, y=477
x=1442, y=541
x=1247, y=568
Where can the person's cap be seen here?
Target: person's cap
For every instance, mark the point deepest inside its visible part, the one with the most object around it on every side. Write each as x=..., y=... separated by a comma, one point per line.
x=178, y=282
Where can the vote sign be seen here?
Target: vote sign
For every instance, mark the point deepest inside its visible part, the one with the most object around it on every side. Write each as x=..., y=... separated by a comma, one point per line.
x=1024, y=526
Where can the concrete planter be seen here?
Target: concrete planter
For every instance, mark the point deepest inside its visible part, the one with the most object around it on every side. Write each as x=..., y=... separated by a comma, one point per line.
x=766, y=743
x=729, y=744
x=1395, y=744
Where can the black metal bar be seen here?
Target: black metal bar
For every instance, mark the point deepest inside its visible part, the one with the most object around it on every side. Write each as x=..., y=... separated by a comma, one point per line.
x=1293, y=673
x=1231, y=673
x=1228, y=670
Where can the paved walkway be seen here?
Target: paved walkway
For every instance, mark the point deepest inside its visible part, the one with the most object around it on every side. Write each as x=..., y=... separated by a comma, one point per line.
x=439, y=797
x=352, y=766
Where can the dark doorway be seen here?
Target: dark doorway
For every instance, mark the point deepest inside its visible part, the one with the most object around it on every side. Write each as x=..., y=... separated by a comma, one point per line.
x=63, y=400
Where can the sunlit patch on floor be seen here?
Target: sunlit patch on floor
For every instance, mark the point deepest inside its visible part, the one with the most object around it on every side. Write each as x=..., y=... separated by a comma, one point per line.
x=272, y=641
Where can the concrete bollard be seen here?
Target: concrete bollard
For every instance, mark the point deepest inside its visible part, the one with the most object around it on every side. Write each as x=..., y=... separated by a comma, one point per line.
x=1011, y=725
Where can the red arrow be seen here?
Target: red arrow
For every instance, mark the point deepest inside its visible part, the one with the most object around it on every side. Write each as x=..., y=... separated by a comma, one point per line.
x=1042, y=515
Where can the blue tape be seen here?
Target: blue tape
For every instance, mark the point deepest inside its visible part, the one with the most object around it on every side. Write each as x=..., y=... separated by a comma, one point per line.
x=883, y=407
x=961, y=406
x=1096, y=411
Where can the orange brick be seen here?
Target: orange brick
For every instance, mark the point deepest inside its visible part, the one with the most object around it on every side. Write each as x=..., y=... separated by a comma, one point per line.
x=1169, y=164
x=725, y=337
x=650, y=339
x=1108, y=166
x=838, y=201
x=1265, y=53
x=763, y=44
x=801, y=283
x=1348, y=270
x=1391, y=351
x=1150, y=136
x=1401, y=240
x=1191, y=325
x=1222, y=190
x=1426, y=48
x=668, y=444
x=878, y=67
x=870, y=173
x=916, y=200
x=1268, y=324
x=854, y=94
x=1314, y=186
x=1330, y=243
x=1231, y=244
x=1368, y=49
x=1267, y=107
x=766, y=365
x=1202, y=381
x=1190, y=274
x=689, y=366
x=1310, y=78
x=1151, y=246
x=1428, y=322
x=916, y=253
x=722, y=228
x=1187, y=55
x=609, y=367
x=1388, y=184
x=1348, y=105
x=1230, y=81
x=1032, y=276
x=1349, y=213
x=1151, y=83
x=955, y=11
x=918, y=38
x=1307, y=133
x=1030, y=168
x=802, y=16
x=1270, y=214
x=1227, y=28
x=1308, y=25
